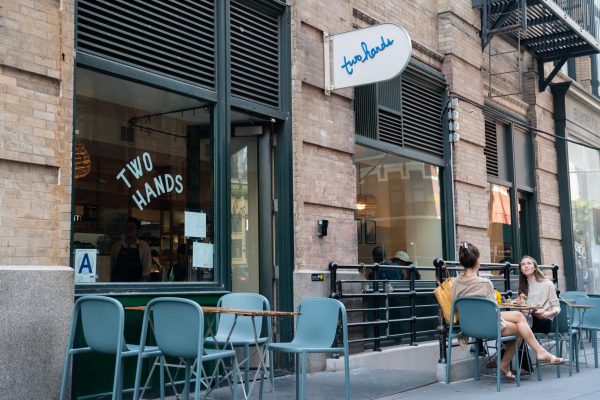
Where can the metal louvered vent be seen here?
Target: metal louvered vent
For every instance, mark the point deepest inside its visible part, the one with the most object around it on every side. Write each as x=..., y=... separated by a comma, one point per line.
x=254, y=55
x=405, y=111
x=390, y=127
x=491, y=148
x=422, y=115
x=174, y=39
x=365, y=111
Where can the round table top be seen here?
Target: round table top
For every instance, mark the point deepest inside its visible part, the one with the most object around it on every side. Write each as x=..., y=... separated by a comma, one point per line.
x=519, y=307
x=582, y=306
x=224, y=310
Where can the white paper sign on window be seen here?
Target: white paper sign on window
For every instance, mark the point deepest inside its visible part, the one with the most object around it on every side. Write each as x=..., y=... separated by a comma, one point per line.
x=85, y=265
x=195, y=224
x=368, y=55
x=202, y=256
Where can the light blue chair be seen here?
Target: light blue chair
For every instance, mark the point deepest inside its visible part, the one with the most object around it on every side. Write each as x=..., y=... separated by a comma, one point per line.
x=243, y=334
x=575, y=297
x=480, y=319
x=178, y=326
x=591, y=321
x=102, y=323
x=561, y=331
x=316, y=327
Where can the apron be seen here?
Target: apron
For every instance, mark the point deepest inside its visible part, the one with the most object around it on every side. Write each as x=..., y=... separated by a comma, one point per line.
x=129, y=266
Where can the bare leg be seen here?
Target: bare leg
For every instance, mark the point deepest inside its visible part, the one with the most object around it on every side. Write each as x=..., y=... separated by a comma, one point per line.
x=510, y=328
x=515, y=319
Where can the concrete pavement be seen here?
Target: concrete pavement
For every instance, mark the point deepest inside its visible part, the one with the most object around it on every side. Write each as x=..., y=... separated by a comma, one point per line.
x=385, y=384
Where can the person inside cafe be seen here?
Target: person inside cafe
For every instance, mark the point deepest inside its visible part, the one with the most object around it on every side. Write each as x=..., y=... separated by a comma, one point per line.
x=512, y=322
x=130, y=257
x=402, y=258
x=538, y=290
x=384, y=272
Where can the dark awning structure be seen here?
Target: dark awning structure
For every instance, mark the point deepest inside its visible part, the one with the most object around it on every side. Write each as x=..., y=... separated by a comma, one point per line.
x=552, y=31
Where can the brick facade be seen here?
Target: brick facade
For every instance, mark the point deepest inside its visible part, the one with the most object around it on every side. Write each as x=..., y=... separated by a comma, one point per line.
x=36, y=119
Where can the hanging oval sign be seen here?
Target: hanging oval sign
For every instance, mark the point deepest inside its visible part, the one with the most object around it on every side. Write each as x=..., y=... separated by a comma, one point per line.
x=368, y=55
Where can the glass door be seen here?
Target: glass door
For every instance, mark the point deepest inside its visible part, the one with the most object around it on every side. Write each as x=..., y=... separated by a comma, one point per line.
x=251, y=208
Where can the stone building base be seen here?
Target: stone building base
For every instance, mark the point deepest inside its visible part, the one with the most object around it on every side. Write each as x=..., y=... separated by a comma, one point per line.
x=35, y=314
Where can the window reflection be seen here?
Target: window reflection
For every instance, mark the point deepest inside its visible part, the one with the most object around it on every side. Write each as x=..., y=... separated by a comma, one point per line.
x=500, y=224
x=143, y=157
x=397, y=209
x=584, y=170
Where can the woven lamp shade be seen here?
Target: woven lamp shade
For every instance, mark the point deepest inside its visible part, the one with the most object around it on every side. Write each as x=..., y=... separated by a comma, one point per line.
x=83, y=162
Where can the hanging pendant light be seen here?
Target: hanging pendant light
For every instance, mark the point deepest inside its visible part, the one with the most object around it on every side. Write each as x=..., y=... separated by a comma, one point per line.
x=366, y=204
x=83, y=162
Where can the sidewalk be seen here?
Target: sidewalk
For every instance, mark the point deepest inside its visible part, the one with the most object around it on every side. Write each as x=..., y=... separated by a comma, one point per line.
x=380, y=384
x=584, y=385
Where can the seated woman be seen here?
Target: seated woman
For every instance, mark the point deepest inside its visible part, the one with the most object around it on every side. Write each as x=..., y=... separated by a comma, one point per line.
x=513, y=322
x=541, y=291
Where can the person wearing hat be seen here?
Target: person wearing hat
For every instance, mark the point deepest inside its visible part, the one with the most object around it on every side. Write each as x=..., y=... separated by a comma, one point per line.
x=402, y=258
x=389, y=273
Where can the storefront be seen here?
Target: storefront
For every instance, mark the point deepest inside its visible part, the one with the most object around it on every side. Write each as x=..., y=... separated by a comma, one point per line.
x=580, y=174
x=182, y=153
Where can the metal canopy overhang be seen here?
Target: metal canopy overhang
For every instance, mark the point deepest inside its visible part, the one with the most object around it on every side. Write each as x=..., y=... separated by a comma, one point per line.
x=542, y=26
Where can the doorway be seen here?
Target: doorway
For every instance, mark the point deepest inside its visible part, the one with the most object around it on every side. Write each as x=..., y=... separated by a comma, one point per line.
x=525, y=236
x=252, y=214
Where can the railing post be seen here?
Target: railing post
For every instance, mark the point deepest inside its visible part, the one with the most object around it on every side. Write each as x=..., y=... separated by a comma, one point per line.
x=507, y=279
x=333, y=281
x=376, y=333
x=555, y=277
x=439, y=265
x=413, y=306
x=334, y=294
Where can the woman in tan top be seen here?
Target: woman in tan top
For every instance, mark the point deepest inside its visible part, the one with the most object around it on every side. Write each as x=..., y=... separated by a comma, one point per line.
x=539, y=290
x=513, y=322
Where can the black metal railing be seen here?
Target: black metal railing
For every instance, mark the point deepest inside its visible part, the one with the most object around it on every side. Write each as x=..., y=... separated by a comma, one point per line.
x=387, y=311
x=506, y=282
x=391, y=310
x=585, y=12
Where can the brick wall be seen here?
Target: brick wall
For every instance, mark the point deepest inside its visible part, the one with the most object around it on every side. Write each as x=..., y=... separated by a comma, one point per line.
x=36, y=111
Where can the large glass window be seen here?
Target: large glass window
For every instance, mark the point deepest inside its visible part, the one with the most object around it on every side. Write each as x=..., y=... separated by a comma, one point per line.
x=584, y=171
x=500, y=224
x=398, y=212
x=143, y=182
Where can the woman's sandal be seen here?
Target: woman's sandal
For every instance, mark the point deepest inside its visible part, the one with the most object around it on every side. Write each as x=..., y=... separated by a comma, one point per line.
x=553, y=360
x=508, y=375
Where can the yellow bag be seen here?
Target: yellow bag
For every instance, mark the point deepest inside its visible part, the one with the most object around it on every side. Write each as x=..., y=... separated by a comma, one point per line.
x=443, y=294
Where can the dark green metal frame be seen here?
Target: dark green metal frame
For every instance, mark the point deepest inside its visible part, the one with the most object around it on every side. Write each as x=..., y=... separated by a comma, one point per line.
x=559, y=91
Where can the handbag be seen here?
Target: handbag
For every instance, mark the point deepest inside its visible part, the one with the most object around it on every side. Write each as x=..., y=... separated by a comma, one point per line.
x=443, y=294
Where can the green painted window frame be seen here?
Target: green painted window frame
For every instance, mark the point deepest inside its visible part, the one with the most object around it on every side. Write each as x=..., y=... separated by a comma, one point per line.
x=222, y=103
